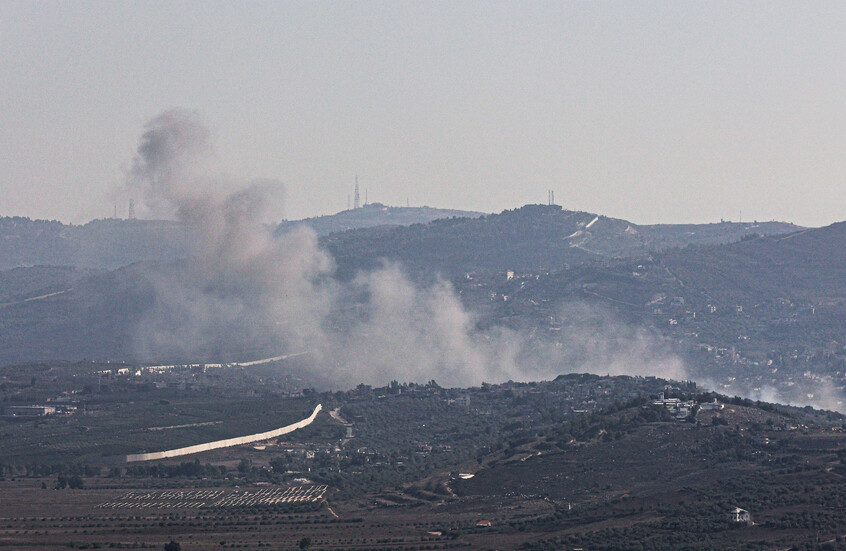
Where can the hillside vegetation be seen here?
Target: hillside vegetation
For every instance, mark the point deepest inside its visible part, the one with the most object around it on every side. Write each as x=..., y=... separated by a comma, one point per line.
x=374, y=214
x=112, y=243
x=531, y=238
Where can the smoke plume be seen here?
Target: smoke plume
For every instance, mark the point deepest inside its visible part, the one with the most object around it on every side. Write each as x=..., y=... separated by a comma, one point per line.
x=245, y=292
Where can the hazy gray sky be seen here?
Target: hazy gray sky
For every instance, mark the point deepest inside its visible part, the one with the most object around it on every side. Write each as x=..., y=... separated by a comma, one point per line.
x=650, y=111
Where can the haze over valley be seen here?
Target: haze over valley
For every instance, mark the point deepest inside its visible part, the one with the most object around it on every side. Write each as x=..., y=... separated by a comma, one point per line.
x=419, y=294
x=382, y=276
x=517, y=346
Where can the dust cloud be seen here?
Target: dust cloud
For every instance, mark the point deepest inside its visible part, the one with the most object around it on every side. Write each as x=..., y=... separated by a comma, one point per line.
x=245, y=291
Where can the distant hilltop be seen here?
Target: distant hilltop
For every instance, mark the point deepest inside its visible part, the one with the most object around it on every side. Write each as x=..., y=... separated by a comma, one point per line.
x=527, y=237
x=375, y=214
x=106, y=244
x=112, y=242
x=652, y=272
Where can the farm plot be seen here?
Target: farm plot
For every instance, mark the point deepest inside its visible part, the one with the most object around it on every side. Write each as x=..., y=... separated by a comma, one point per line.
x=197, y=499
x=112, y=428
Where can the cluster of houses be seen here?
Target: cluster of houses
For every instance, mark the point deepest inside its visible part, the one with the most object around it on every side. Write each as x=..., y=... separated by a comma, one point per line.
x=680, y=409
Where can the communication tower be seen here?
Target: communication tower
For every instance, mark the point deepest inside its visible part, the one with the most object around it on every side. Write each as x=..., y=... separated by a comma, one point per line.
x=357, y=203
x=132, y=209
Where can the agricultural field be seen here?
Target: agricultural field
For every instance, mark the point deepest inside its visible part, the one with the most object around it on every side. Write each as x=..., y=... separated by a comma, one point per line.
x=150, y=422
x=198, y=499
x=39, y=519
x=582, y=461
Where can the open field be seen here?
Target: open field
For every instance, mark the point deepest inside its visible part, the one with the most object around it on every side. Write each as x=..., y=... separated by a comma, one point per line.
x=198, y=499
x=109, y=428
x=562, y=464
x=38, y=519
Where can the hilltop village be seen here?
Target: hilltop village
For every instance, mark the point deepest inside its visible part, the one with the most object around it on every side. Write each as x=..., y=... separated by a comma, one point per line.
x=780, y=349
x=518, y=460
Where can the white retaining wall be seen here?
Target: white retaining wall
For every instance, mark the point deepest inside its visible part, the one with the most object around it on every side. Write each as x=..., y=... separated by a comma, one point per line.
x=229, y=442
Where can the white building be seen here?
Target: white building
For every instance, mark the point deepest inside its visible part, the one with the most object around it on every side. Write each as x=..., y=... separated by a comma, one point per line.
x=740, y=515
x=30, y=411
x=710, y=406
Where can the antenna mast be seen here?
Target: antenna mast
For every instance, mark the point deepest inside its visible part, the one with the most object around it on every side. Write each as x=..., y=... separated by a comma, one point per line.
x=357, y=203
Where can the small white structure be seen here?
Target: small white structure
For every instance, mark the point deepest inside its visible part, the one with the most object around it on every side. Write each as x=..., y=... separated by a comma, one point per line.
x=30, y=411
x=740, y=515
x=710, y=406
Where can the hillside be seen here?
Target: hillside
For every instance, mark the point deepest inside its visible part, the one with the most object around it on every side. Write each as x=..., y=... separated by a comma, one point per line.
x=100, y=316
x=374, y=214
x=762, y=317
x=21, y=285
x=622, y=476
x=761, y=312
x=112, y=243
x=533, y=237
x=422, y=238
x=578, y=462
x=107, y=243
x=806, y=265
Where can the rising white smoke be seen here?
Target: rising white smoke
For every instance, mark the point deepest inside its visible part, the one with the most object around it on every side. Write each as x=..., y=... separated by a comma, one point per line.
x=823, y=393
x=594, y=340
x=245, y=290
